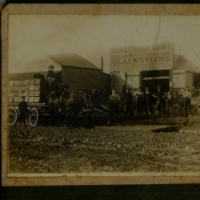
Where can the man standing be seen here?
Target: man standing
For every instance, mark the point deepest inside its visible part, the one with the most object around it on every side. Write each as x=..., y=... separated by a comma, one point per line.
x=23, y=110
x=187, y=101
x=168, y=103
x=159, y=95
x=127, y=101
x=148, y=102
x=114, y=107
x=139, y=100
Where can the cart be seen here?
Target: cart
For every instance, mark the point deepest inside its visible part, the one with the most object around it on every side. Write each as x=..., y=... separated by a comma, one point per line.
x=33, y=91
x=35, y=110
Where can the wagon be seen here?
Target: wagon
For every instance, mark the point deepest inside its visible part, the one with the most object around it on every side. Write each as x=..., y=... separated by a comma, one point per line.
x=195, y=100
x=37, y=96
x=178, y=103
x=32, y=90
x=34, y=111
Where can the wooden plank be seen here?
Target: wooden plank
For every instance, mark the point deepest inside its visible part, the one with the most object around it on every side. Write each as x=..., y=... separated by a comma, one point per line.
x=31, y=87
x=31, y=82
x=31, y=99
x=26, y=82
x=37, y=99
x=37, y=81
x=11, y=83
x=38, y=105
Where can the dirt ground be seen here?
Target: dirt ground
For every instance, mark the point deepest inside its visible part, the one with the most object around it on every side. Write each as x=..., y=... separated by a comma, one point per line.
x=126, y=148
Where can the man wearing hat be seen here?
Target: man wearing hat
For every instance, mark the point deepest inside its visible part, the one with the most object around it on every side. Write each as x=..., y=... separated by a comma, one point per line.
x=127, y=102
x=51, y=78
x=138, y=101
x=23, y=110
x=187, y=101
x=114, y=107
x=51, y=74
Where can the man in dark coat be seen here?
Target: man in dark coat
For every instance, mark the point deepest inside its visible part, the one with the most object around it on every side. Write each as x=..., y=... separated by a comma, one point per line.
x=114, y=107
x=23, y=110
x=51, y=76
x=139, y=101
x=127, y=101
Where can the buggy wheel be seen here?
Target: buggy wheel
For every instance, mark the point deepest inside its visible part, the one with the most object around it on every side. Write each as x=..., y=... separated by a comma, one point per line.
x=33, y=116
x=12, y=115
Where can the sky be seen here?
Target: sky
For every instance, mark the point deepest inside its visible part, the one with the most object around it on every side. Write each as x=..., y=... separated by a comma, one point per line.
x=94, y=36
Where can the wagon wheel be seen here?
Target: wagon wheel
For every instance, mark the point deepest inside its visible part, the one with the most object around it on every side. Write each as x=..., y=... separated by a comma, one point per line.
x=12, y=115
x=33, y=116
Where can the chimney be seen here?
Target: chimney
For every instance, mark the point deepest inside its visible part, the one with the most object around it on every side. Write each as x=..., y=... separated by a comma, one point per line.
x=102, y=63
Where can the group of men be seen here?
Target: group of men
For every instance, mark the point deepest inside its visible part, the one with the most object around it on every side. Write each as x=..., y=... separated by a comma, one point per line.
x=156, y=103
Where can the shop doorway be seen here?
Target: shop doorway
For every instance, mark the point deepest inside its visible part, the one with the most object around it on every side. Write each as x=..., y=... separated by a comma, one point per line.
x=154, y=78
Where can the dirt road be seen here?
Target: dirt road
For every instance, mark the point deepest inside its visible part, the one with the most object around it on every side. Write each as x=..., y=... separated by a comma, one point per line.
x=103, y=149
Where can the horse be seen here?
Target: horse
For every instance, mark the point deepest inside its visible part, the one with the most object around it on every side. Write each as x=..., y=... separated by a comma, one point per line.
x=67, y=106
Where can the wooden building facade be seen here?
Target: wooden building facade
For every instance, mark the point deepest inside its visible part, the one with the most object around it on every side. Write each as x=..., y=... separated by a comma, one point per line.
x=184, y=73
x=72, y=69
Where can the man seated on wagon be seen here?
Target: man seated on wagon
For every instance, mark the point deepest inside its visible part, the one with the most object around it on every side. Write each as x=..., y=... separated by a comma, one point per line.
x=51, y=78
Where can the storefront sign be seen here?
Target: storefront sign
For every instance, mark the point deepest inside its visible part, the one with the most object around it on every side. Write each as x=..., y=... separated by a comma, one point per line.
x=137, y=58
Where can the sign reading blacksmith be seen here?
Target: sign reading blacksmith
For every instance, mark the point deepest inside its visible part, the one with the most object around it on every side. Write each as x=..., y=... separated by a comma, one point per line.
x=129, y=58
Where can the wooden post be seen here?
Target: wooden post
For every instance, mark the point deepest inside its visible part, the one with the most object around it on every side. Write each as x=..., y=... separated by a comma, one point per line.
x=170, y=80
x=126, y=76
x=102, y=63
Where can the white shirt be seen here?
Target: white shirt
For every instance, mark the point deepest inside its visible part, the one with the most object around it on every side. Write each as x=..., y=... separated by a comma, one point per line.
x=187, y=94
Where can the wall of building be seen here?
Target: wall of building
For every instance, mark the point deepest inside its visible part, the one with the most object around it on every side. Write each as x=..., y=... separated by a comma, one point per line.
x=182, y=78
x=189, y=79
x=133, y=79
x=120, y=82
x=27, y=75
x=178, y=79
x=81, y=78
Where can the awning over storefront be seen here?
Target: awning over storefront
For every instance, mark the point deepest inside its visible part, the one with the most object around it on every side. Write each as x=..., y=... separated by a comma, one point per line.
x=181, y=63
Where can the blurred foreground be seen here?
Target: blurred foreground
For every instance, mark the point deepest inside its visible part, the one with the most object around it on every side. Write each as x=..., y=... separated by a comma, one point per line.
x=126, y=148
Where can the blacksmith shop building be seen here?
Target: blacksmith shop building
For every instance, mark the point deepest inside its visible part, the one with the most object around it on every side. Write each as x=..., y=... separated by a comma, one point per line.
x=152, y=66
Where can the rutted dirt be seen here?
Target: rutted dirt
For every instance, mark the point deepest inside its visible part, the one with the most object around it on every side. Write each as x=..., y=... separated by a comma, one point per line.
x=45, y=149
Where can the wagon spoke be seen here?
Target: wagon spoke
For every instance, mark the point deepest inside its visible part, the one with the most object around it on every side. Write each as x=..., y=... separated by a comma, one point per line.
x=33, y=117
x=12, y=115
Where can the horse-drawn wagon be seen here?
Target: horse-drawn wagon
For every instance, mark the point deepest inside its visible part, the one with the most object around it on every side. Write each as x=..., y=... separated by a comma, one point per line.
x=58, y=103
x=33, y=91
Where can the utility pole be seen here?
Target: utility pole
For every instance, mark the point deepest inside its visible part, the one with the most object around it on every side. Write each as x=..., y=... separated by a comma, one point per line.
x=102, y=63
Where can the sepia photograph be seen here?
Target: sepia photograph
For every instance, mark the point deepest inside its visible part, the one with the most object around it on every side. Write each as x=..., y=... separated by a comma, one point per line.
x=101, y=95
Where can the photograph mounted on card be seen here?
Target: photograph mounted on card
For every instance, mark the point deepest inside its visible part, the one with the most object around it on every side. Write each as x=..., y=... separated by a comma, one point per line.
x=100, y=94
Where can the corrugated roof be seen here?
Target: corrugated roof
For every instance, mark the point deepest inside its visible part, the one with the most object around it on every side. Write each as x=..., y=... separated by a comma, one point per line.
x=73, y=60
x=182, y=63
